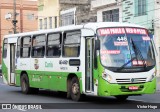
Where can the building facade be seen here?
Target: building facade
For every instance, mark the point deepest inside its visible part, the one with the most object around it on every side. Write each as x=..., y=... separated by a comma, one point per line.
x=48, y=14
x=108, y=10
x=55, y=13
x=26, y=16
x=76, y=12
x=139, y=12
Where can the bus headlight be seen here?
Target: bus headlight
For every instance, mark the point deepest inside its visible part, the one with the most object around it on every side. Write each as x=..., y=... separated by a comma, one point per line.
x=106, y=77
x=152, y=77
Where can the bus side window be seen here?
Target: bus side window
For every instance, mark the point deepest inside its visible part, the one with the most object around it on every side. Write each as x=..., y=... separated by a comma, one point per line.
x=5, y=48
x=38, y=45
x=25, y=47
x=53, y=45
x=71, y=44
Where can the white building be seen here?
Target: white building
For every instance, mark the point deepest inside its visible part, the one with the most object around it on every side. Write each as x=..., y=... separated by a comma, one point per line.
x=108, y=10
x=157, y=32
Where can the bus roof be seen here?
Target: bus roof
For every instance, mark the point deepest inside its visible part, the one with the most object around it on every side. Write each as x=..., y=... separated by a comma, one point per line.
x=93, y=26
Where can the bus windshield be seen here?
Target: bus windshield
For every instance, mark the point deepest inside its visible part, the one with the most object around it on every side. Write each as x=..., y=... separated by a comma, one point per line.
x=126, y=49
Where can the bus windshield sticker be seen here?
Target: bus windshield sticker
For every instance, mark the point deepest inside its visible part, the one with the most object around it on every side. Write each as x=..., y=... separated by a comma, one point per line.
x=119, y=38
x=103, y=57
x=136, y=31
x=109, y=31
x=137, y=63
x=110, y=51
x=146, y=38
x=120, y=43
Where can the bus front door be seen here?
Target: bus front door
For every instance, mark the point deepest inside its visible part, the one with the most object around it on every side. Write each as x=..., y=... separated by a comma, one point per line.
x=12, y=63
x=89, y=84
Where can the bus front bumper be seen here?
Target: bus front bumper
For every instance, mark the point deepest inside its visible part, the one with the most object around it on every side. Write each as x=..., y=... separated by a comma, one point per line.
x=107, y=89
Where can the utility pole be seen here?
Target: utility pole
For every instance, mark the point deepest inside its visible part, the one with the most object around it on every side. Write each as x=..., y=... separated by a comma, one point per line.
x=14, y=21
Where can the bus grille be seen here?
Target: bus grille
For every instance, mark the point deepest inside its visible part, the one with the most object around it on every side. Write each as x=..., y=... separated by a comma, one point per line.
x=131, y=80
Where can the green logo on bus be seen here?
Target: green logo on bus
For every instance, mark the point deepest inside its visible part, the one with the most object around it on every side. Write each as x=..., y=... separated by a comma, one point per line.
x=48, y=65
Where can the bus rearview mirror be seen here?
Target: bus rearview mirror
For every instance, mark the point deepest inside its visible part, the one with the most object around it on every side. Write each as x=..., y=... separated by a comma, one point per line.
x=97, y=44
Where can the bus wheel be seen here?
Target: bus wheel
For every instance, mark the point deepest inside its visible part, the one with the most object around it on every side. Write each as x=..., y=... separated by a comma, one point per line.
x=25, y=84
x=121, y=98
x=75, y=89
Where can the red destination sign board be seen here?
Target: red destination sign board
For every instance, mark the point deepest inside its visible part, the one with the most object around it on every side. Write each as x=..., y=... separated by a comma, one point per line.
x=110, y=31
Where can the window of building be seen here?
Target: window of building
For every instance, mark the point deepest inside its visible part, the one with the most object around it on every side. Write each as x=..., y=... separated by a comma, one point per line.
x=140, y=7
x=67, y=19
x=25, y=47
x=38, y=46
x=40, y=24
x=18, y=48
x=5, y=48
x=45, y=23
x=111, y=15
x=71, y=47
x=53, y=45
x=50, y=22
x=30, y=16
x=55, y=22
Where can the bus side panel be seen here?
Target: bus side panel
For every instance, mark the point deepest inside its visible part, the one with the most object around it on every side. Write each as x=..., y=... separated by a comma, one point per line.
x=23, y=65
x=38, y=78
x=18, y=76
x=100, y=71
x=53, y=81
x=5, y=71
x=63, y=80
x=52, y=71
x=17, y=73
x=66, y=69
x=57, y=71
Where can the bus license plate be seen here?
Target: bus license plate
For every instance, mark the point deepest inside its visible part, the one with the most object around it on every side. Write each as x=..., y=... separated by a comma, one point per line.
x=133, y=88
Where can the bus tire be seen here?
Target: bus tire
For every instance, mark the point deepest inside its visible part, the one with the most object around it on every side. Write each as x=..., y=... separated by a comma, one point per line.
x=75, y=89
x=25, y=84
x=121, y=98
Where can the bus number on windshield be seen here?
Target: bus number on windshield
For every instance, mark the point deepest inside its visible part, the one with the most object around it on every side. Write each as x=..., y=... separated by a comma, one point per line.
x=121, y=38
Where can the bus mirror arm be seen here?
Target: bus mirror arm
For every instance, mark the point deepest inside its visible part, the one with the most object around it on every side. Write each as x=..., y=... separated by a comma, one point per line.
x=96, y=47
x=95, y=59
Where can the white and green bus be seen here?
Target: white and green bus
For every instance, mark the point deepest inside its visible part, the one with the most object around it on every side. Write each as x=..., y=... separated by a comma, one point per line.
x=100, y=59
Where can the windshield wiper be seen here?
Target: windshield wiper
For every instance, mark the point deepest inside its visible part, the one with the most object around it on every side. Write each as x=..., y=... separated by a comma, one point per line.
x=138, y=52
x=125, y=64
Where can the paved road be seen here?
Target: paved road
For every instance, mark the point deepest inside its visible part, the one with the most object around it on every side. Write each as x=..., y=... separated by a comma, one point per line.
x=10, y=94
